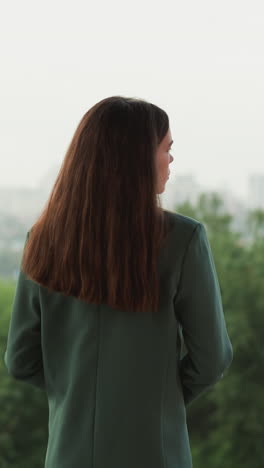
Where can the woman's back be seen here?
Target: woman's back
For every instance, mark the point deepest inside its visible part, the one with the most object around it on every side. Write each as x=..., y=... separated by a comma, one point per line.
x=118, y=382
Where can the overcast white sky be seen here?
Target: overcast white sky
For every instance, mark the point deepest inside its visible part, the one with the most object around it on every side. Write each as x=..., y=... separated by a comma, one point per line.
x=202, y=61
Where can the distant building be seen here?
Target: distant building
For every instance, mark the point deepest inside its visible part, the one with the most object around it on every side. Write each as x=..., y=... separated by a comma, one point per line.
x=26, y=204
x=179, y=189
x=256, y=191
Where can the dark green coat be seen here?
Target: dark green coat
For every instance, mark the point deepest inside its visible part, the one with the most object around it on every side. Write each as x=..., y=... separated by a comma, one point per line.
x=118, y=383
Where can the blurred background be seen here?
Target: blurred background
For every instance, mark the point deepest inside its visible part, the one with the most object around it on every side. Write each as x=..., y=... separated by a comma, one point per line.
x=203, y=63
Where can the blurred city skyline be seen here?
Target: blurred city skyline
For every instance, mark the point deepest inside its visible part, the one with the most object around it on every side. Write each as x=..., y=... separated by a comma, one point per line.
x=242, y=192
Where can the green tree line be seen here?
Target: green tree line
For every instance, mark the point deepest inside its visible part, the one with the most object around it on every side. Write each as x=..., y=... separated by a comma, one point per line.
x=226, y=424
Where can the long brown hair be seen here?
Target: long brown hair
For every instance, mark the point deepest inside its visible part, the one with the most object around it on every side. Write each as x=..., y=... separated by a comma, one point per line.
x=100, y=232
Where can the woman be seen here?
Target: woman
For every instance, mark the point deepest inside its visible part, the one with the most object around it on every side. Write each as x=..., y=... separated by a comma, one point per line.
x=110, y=288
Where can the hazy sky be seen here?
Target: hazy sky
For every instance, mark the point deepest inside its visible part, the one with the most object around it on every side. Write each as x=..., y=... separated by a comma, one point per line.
x=201, y=61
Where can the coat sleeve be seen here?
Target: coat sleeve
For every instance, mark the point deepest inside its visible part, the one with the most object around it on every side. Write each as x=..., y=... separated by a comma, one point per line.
x=23, y=355
x=198, y=307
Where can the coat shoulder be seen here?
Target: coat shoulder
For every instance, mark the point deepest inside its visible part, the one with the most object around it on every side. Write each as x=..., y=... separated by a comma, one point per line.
x=183, y=222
